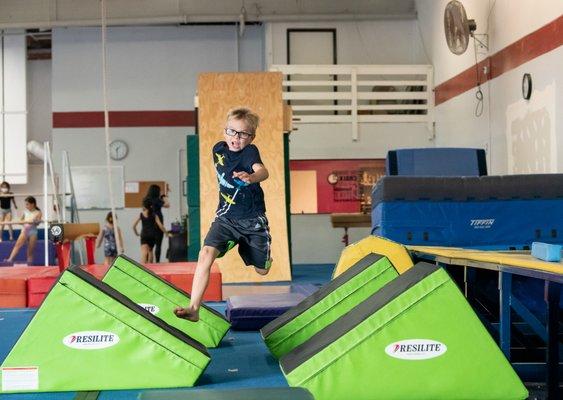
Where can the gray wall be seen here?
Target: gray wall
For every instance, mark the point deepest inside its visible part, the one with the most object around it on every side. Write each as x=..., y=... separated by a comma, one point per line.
x=149, y=68
x=156, y=68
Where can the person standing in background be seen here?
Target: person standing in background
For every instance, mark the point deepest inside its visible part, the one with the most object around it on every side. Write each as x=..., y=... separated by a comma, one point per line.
x=107, y=237
x=6, y=208
x=150, y=224
x=157, y=201
x=30, y=219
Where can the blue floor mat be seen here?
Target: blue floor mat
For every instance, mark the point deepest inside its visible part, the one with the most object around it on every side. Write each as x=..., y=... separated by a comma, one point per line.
x=241, y=361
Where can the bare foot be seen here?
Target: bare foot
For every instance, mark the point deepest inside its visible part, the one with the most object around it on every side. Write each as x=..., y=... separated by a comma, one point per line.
x=187, y=313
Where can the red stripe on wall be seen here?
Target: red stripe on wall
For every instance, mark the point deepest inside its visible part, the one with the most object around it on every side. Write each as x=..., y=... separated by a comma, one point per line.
x=460, y=83
x=122, y=119
x=537, y=43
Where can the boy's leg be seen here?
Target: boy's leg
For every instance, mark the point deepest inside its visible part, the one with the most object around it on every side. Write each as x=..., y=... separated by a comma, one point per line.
x=262, y=271
x=206, y=257
x=255, y=244
x=217, y=242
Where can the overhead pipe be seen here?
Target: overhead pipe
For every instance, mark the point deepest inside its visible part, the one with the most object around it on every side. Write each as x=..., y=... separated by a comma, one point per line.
x=200, y=19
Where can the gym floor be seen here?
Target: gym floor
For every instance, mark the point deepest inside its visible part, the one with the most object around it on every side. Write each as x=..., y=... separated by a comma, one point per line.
x=242, y=360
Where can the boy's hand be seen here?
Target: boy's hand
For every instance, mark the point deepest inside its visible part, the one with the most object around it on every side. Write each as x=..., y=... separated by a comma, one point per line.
x=243, y=176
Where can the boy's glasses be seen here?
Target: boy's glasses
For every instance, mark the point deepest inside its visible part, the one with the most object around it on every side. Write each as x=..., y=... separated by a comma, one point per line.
x=241, y=134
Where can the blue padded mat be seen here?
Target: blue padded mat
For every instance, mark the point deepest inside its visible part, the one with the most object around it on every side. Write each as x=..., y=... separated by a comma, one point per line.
x=502, y=211
x=252, y=312
x=436, y=161
x=241, y=360
x=38, y=253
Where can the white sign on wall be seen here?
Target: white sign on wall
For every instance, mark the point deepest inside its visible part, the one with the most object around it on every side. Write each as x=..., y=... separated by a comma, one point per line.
x=530, y=134
x=91, y=187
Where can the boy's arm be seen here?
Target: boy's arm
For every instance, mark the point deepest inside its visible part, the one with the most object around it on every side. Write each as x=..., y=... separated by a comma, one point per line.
x=260, y=174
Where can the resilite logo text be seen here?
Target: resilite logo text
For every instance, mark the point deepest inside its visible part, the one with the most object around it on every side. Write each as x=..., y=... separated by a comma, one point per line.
x=416, y=349
x=91, y=340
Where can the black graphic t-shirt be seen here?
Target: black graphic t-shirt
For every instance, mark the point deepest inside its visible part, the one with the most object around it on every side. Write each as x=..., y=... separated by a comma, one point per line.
x=236, y=198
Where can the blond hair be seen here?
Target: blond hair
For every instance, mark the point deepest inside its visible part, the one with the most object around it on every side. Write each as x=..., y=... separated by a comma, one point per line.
x=247, y=115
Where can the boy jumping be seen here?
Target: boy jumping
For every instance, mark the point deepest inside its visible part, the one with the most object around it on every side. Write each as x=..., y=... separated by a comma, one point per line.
x=240, y=217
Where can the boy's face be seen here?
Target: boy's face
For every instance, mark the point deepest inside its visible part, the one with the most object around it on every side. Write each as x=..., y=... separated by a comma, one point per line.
x=236, y=142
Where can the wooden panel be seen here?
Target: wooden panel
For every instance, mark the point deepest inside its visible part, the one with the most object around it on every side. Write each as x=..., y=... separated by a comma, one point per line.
x=73, y=231
x=287, y=118
x=262, y=92
x=303, y=192
x=350, y=220
x=134, y=199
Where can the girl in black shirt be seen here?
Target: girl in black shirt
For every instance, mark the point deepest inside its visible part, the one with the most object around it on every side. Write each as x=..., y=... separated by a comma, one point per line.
x=150, y=225
x=6, y=208
x=157, y=201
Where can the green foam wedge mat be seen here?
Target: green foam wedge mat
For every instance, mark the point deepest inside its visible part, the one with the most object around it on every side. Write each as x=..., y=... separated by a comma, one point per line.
x=416, y=338
x=281, y=393
x=86, y=336
x=159, y=297
x=328, y=304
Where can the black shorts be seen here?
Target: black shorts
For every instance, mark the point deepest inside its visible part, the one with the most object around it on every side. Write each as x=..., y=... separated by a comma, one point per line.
x=148, y=240
x=252, y=235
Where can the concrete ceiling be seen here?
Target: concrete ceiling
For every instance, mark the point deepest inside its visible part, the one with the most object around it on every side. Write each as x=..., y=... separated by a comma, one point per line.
x=51, y=13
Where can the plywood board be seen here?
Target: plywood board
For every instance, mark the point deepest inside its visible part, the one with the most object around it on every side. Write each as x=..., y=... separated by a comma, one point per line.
x=136, y=191
x=72, y=231
x=262, y=92
x=303, y=192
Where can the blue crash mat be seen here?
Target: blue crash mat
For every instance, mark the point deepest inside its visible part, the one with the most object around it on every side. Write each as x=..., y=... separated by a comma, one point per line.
x=252, y=312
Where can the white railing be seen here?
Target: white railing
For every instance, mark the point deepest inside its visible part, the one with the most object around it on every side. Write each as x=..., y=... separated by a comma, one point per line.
x=359, y=93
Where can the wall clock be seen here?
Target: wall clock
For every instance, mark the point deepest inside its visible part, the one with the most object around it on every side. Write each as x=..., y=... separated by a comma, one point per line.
x=118, y=150
x=527, y=86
